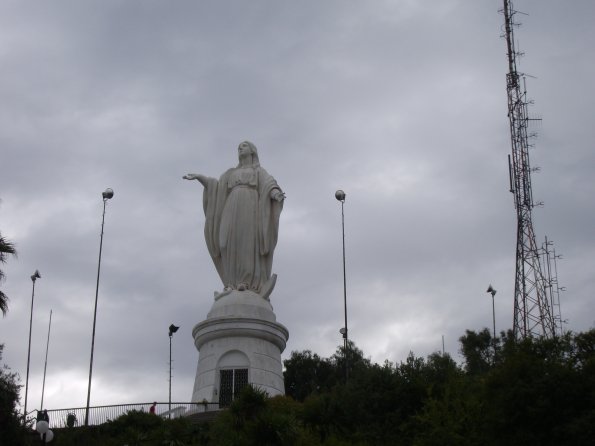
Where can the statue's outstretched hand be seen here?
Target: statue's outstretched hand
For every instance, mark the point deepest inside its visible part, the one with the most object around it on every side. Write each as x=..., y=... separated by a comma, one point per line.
x=278, y=195
x=196, y=176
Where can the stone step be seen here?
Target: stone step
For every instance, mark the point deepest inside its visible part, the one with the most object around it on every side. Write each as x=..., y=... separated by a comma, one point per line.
x=203, y=417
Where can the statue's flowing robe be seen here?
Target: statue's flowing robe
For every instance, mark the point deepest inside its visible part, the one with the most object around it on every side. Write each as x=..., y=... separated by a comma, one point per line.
x=241, y=226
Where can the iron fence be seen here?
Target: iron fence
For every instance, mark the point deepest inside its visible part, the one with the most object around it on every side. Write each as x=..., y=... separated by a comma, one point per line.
x=74, y=417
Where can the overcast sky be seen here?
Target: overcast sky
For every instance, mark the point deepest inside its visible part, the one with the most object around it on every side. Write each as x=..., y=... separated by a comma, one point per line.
x=400, y=103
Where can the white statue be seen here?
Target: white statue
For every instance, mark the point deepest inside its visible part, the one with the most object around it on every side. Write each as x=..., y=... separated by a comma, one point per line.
x=242, y=212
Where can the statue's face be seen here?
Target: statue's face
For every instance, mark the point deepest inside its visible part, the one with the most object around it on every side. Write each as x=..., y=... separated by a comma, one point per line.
x=244, y=149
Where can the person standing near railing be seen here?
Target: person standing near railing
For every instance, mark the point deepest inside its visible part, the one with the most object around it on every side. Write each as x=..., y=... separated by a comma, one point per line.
x=152, y=408
x=71, y=420
x=43, y=416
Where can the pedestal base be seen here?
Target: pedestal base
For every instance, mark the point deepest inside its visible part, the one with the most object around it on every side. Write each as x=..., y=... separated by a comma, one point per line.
x=240, y=342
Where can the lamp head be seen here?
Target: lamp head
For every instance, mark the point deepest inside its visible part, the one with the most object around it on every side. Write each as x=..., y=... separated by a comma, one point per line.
x=35, y=275
x=491, y=290
x=42, y=426
x=107, y=194
x=49, y=436
x=340, y=195
x=172, y=329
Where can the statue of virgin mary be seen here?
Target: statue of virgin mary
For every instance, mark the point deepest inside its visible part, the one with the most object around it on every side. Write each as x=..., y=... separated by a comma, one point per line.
x=242, y=210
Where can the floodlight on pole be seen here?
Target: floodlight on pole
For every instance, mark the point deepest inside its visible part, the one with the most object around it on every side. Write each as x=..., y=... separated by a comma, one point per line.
x=34, y=277
x=172, y=330
x=107, y=195
x=340, y=196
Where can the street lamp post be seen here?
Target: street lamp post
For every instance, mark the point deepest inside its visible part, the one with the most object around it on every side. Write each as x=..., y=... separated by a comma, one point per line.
x=172, y=330
x=34, y=277
x=107, y=195
x=47, y=347
x=492, y=291
x=340, y=196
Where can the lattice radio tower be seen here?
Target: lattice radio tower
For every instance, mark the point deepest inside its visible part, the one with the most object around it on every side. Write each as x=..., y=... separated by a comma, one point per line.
x=536, y=293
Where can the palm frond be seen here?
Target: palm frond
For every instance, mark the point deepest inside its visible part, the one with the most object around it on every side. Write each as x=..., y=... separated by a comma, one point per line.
x=6, y=248
x=3, y=303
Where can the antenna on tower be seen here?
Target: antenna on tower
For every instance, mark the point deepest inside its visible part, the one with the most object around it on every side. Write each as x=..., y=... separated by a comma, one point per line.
x=552, y=286
x=534, y=301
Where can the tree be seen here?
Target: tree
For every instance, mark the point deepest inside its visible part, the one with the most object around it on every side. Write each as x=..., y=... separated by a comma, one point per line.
x=11, y=429
x=356, y=362
x=478, y=350
x=6, y=248
x=306, y=373
x=452, y=417
x=540, y=393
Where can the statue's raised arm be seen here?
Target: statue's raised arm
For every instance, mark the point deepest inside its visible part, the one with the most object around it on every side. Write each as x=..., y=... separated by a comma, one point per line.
x=196, y=176
x=242, y=212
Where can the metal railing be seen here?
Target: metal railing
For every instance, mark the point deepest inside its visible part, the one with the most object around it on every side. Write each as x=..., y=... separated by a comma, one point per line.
x=75, y=416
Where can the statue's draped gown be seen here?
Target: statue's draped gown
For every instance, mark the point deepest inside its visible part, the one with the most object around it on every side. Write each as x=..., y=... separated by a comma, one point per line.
x=241, y=226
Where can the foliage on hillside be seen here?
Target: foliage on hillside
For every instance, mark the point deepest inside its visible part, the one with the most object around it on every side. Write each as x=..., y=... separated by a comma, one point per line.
x=507, y=392
x=535, y=391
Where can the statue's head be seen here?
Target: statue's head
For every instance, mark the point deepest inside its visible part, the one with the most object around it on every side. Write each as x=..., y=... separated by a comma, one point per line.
x=248, y=150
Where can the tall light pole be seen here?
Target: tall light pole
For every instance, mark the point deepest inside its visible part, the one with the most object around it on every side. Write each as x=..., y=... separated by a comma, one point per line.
x=47, y=347
x=34, y=277
x=172, y=330
x=107, y=195
x=340, y=196
x=492, y=291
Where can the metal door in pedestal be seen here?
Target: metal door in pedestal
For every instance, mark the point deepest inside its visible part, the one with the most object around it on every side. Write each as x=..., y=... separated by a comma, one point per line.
x=231, y=383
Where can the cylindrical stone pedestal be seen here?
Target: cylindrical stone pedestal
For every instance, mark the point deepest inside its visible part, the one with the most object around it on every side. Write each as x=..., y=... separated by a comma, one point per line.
x=240, y=342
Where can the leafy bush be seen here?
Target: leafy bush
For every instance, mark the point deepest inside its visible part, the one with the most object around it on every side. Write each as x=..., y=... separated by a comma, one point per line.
x=11, y=430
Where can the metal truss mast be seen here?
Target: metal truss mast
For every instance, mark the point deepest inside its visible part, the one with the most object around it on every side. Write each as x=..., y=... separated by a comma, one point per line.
x=533, y=299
